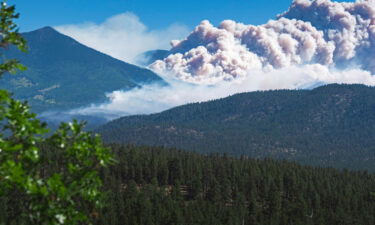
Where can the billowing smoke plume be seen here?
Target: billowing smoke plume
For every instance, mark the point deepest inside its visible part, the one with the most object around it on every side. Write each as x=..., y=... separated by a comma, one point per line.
x=313, y=43
x=336, y=35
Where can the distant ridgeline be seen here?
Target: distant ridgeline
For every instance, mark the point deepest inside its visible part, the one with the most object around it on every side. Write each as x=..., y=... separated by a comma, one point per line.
x=330, y=126
x=64, y=74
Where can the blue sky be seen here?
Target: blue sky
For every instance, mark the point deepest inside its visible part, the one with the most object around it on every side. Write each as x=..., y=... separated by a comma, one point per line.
x=155, y=14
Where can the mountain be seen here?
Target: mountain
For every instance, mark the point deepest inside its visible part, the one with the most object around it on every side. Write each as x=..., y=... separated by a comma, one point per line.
x=333, y=125
x=64, y=74
x=146, y=58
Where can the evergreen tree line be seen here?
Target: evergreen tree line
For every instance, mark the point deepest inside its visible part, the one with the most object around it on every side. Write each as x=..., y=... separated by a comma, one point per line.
x=156, y=186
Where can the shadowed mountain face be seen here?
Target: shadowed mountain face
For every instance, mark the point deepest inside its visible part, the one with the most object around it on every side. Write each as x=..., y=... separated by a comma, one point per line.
x=64, y=74
x=149, y=57
x=332, y=125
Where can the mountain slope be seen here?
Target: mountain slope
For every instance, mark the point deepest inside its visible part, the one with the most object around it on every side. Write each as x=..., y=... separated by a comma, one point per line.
x=332, y=125
x=63, y=73
x=146, y=58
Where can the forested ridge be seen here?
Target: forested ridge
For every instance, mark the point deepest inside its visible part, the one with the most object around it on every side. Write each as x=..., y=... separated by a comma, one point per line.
x=164, y=186
x=153, y=185
x=333, y=125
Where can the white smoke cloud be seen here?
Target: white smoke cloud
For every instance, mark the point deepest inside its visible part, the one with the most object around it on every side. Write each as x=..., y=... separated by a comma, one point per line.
x=153, y=98
x=313, y=43
x=320, y=31
x=123, y=36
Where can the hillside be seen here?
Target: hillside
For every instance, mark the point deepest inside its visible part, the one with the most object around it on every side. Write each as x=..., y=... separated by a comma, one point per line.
x=332, y=125
x=64, y=74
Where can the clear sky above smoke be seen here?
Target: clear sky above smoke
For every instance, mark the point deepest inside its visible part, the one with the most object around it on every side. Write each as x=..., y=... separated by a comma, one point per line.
x=156, y=14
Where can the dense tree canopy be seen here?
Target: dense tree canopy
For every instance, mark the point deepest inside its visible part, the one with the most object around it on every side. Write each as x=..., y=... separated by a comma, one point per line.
x=153, y=185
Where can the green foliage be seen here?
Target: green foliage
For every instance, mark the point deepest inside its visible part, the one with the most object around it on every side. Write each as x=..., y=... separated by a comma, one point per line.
x=332, y=125
x=10, y=36
x=38, y=192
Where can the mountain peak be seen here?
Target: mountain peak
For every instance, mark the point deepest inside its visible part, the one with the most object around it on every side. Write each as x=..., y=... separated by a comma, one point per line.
x=64, y=74
x=46, y=29
x=46, y=35
x=43, y=30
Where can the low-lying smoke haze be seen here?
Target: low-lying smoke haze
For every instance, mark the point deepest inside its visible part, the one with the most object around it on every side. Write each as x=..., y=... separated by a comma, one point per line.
x=313, y=43
x=154, y=98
